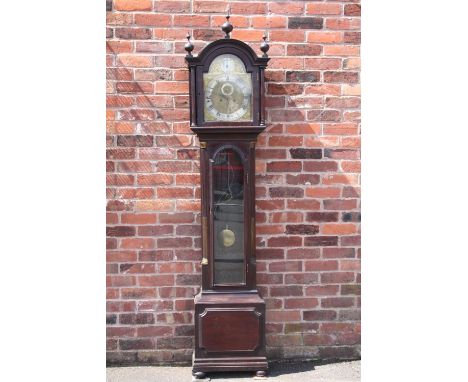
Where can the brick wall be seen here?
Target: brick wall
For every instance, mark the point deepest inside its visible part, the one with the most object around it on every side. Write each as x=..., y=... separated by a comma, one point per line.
x=308, y=231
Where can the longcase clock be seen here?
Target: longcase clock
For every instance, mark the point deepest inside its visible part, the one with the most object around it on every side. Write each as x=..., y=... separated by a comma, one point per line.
x=227, y=112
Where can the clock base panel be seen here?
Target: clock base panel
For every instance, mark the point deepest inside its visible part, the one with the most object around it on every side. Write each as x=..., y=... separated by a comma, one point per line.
x=229, y=332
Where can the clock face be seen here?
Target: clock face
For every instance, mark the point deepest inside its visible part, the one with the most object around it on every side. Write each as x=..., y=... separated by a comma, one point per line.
x=228, y=90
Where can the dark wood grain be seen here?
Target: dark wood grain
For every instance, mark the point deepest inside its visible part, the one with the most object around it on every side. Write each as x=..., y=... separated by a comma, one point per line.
x=229, y=319
x=229, y=329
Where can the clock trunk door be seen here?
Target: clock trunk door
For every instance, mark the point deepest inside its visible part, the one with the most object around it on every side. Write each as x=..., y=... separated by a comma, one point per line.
x=228, y=211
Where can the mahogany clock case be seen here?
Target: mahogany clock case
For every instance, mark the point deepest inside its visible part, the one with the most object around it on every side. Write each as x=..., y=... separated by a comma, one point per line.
x=229, y=319
x=229, y=316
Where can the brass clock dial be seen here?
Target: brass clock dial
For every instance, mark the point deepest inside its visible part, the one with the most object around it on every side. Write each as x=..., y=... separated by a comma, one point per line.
x=228, y=90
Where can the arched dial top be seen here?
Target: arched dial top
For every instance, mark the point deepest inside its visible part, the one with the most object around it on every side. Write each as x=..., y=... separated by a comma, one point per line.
x=227, y=90
x=226, y=82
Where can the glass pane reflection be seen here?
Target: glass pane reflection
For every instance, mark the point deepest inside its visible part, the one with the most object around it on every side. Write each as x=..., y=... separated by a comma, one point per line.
x=228, y=217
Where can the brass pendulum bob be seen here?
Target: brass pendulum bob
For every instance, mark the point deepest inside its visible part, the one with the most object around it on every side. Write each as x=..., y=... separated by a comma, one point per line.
x=227, y=237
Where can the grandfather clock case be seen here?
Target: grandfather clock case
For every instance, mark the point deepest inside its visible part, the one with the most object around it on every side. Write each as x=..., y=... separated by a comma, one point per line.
x=227, y=112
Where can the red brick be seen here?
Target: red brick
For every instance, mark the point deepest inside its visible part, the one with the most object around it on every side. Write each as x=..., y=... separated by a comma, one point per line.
x=303, y=253
x=249, y=8
x=322, y=63
x=133, y=5
x=287, y=8
x=303, y=128
x=156, y=280
x=188, y=205
x=319, y=315
x=342, y=23
x=172, y=6
x=133, y=33
x=285, y=241
x=352, y=10
x=341, y=50
x=324, y=115
x=120, y=180
x=340, y=128
x=286, y=141
x=174, y=140
x=184, y=305
x=175, y=242
x=284, y=166
x=134, y=87
x=283, y=315
x=247, y=34
x=301, y=278
x=171, y=87
x=155, y=179
x=287, y=36
x=119, y=280
x=270, y=204
x=321, y=265
x=322, y=290
x=352, y=37
x=175, y=192
x=178, y=267
x=341, y=77
x=153, y=19
x=285, y=266
x=337, y=302
x=350, y=265
x=321, y=241
x=286, y=192
x=136, y=268
x=158, y=230
x=337, y=277
x=351, y=289
x=323, y=9
x=118, y=47
x=283, y=217
x=121, y=74
x=137, y=243
x=131, y=218
x=338, y=229
x=179, y=217
x=325, y=37
x=120, y=256
x=333, y=253
x=191, y=21
x=154, y=331
x=289, y=89
x=304, y=50
x=180, y=318
x=188, y=279
x=306, y=179
x=268, y=22
x=321, y=192
x=318, y=339
x=120, y=231
x=337, y=204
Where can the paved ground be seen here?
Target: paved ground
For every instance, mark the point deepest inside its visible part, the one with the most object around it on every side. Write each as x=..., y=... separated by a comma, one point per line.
x=302, y=372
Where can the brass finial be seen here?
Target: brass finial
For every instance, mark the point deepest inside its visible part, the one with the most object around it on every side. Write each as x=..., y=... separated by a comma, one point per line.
x=188, y=46
x=264, y=47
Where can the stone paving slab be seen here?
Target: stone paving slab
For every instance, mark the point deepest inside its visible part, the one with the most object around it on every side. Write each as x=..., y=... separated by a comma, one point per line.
x=301, y=372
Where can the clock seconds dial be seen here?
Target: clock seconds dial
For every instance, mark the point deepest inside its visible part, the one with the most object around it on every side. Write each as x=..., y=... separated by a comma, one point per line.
x=228, y=90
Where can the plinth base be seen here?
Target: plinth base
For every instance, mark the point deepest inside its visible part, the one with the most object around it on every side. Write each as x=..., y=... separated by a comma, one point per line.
x=229, y=333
